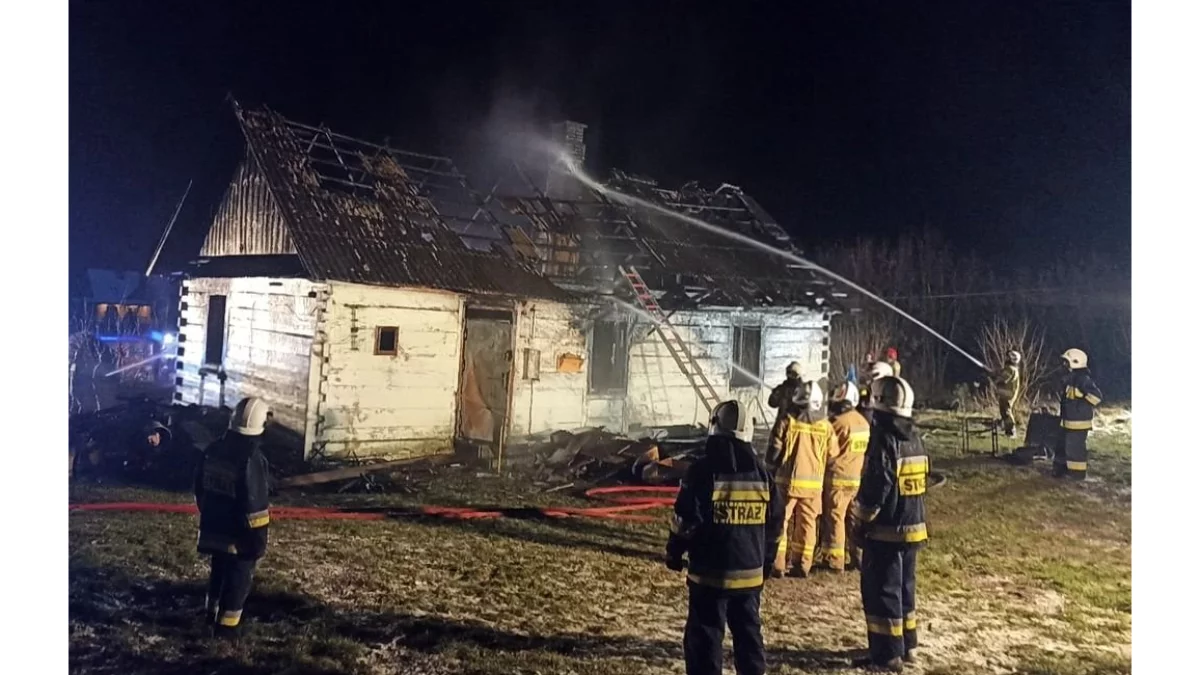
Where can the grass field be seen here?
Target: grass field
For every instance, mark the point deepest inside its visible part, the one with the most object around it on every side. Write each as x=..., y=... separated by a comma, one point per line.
x=1024, y=574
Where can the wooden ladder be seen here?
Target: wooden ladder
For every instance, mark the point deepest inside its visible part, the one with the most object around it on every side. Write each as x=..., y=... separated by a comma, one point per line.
x=675, y=345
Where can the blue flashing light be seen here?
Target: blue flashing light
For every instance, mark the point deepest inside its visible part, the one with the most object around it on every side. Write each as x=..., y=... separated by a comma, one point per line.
x=119, y=338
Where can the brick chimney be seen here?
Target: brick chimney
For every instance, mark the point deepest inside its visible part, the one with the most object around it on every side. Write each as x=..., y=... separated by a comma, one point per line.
x=570, y=135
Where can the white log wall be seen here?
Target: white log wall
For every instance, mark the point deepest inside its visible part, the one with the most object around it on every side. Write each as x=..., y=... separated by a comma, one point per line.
x=556, y=400
x=341, y=398
x=658, y=394
x=395, y=406
x=269, y=328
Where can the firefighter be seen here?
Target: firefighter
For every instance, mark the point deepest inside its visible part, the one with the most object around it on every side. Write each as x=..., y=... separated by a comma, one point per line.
x=728, y=516
x=864, y=383
x=1008, y=386
x=1076, y=409
x=147, y=446
x=842, y=474
x=796, y=457
x=231, y=493
x=892, y=358
x=782, y=394
x=888, y=519
x=877, y=370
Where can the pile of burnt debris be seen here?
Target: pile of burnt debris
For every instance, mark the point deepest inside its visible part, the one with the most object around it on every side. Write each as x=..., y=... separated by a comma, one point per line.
x=146, y=442
x=595, y=456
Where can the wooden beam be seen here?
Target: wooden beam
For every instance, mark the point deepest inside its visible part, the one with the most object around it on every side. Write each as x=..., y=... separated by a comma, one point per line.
x=351, y=472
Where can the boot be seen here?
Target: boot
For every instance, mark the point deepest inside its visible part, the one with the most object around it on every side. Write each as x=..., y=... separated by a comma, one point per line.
x=798, y=572
x=896, y=665
x=910, y=656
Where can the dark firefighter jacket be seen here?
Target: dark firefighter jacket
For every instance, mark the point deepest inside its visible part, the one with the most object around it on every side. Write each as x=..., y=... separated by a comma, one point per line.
x=891, y=501
x=231, y=493
x=781, y=397
x=864, y=408
x=1079, y=400
x=728, y=517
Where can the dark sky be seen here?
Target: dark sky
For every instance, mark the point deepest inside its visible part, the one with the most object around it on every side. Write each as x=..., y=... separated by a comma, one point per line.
x=1004, y=124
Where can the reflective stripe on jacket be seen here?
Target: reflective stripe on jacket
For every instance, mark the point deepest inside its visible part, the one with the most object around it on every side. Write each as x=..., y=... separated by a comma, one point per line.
x=891, y=501
x=231, y=494
x=728, y=517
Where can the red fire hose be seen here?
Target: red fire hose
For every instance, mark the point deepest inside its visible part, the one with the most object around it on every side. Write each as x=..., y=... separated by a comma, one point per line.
x=626, y=500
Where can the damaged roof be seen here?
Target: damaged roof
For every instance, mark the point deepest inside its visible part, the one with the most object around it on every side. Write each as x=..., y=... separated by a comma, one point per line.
x=364, y=213
x=350, y=210
x=585, y=239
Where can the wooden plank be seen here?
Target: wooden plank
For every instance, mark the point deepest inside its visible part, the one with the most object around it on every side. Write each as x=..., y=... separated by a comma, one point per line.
x=358, y=471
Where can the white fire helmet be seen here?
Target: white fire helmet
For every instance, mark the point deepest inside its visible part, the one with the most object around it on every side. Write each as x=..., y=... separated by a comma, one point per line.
x=892, y=395
x=1075, y=359
x=250, y=417
x=847, y=392
x=1014, y=357
x=809, y=396
x=731, y=418
x=793, y=370
x=880, y=369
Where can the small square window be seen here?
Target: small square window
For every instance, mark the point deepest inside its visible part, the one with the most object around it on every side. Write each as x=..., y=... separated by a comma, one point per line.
x=386, y=340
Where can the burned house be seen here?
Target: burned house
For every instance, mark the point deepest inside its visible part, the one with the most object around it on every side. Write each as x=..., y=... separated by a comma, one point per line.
x=385, y=307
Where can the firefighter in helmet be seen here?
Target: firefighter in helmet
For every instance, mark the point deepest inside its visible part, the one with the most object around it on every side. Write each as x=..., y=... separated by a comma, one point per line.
x=797, y=453
x=842, y=474
x=1008, y=387
x=877, y=370
x=231, y=492
x=783, y=393
x=888, y=520
x=728, y=516
x=1076, y=410
x=892, y=358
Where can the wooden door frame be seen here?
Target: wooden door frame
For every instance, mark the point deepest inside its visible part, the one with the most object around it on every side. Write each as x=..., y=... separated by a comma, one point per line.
x=510, y=307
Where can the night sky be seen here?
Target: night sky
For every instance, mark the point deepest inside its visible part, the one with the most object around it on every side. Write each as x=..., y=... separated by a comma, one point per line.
x=1005, y=125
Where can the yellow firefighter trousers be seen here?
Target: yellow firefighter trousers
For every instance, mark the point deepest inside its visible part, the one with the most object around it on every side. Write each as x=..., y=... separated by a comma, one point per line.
x=833, y=526
x=1007, y=421
x=799, y=541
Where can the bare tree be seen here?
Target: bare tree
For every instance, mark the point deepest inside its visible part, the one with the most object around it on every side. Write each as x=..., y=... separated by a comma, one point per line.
x=90, y=358
x=854, y=335
x=1056, y=307
x=1003, y=335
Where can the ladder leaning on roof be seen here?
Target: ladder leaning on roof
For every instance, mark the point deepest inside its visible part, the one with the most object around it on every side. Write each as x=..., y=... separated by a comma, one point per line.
x=675, y=345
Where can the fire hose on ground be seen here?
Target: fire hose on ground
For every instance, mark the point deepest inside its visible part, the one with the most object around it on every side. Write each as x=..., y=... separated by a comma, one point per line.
x=625, y=503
